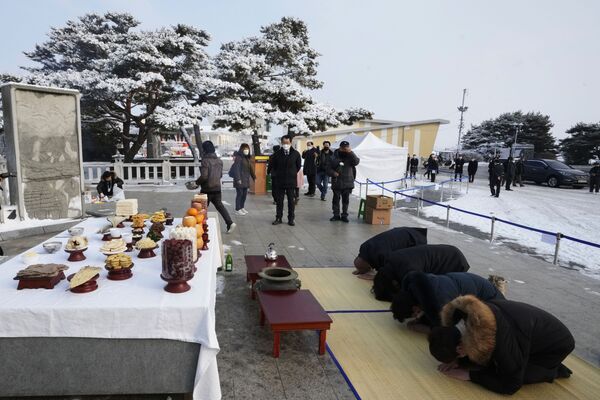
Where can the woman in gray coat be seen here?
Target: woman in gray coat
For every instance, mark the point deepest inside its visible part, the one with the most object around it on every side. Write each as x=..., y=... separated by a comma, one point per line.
x=242, y=171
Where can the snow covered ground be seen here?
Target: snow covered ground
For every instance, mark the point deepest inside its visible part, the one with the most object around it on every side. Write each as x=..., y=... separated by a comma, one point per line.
x=568, y=211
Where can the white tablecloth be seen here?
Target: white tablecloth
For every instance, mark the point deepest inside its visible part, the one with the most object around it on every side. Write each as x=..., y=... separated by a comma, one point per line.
x=137, y=308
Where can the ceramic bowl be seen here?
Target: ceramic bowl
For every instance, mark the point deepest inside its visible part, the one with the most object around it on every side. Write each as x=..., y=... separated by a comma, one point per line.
x=52, y=247
x=76, y=231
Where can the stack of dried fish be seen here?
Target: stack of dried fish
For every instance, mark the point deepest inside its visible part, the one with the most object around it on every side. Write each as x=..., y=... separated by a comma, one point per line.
x=38, y=271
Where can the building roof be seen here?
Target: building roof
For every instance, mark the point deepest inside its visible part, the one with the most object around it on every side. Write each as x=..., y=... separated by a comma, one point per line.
x=387, y=125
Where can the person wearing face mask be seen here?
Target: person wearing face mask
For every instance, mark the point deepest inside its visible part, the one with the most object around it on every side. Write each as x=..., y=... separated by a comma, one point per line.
x=323, y=162
x=343, y=172
x=242, y=171
x=414, y=166
x=310, y=167
x=283, y=166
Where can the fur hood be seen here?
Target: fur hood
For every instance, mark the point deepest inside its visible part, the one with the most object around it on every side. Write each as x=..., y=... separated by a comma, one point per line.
x=479, y=337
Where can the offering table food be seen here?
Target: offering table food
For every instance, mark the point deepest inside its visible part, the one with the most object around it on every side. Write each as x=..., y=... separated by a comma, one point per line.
x=126, y=337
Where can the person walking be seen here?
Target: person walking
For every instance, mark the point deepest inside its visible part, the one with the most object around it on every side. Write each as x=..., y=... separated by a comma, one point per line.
x=433, y=167
x=519, y=170
x=414, y=166
x=323, y=162
x=310, y=167
x=275, y=149
x=459, y=164
x=427, y=173
x=595, y=177
x=496, y=171
x=510, y=172
x=211, y=172
x=242, y=171
x=343, y=173
x=284, y=166
x=472, y=169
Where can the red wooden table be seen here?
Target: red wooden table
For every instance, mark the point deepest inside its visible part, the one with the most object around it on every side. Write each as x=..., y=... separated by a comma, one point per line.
x=293, y=311
x=255, y=264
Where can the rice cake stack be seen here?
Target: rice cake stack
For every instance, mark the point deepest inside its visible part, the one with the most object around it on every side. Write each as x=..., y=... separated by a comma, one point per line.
x=127, y=207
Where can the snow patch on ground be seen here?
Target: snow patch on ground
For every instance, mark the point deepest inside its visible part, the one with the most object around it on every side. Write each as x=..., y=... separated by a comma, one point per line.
x=15, y=224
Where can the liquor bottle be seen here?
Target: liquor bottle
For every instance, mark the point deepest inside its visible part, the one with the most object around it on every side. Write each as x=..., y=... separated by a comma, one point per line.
x=228, y=263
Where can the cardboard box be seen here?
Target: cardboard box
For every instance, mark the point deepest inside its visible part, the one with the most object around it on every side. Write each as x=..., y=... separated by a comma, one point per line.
x=379, y=202
x=378, y=217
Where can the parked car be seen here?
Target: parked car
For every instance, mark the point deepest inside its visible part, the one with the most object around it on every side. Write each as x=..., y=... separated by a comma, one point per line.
x=554, y=173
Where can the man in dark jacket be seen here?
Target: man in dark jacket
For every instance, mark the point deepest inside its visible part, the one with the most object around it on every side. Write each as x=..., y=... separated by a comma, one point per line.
x=373, y=252
x=310, y=167
x=595, y=177
x=435, y=259
x=211, y=172
x=496, y=172
x=433, y=167
x=414, y=166
x=519, y=170
x=283, y=167
x=343, y=172
x=459, y=164
x=512, y=343
x=422, y=296
x=509, y=172
x=472, y=169
x=323, y=162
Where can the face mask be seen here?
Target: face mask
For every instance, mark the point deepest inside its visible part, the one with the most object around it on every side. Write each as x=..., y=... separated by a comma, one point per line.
x=326, y=148
x=246, y=152
x=309, y=147
x=286, y=146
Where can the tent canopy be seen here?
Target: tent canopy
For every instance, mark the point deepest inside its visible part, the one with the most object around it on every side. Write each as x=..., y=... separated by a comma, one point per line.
x=380, y=161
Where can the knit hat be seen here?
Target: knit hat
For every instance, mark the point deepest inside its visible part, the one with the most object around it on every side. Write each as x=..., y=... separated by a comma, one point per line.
x=208, y=147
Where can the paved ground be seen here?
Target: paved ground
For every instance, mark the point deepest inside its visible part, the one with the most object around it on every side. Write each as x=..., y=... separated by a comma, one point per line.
x=246, y=367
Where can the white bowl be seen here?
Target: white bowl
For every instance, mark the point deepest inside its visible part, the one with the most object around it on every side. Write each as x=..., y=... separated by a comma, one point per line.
x=76, y=231
x=52, y=247
x=30, y=258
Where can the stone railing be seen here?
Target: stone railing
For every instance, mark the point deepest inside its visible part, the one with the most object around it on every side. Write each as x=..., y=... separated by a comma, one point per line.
x=156, y=173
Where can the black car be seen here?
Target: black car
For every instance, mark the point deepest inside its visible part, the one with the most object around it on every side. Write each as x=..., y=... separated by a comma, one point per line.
x=554, y=173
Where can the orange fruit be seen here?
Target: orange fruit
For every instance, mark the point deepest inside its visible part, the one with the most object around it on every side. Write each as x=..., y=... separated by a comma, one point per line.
x=192, y=212
x=200, y=219
x=199, y=230
x=198, y=206
x=199, y=243
x=189, y=221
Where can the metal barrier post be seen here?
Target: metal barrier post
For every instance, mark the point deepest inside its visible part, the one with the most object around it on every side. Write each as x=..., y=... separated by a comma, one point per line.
x=367, y=188
x=492, y=231
x=468, y=187
x=394, y=199
x=382, y=188
x=442, y=193
x=556, y=248
x=447, y=216
x=451, y=189
x=418, y=204
x=360, y=190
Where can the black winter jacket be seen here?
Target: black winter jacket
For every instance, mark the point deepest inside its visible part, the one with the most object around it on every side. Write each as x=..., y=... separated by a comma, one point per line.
x=376, y=249
x=438, y=259
x=516, y=343
x=519, y=168
x=472, y=167
x=211, y=172
x=432, y=292
x=496, y=170
x=284, y=169
x=324, y=161
x=344, y=164
x=414, y=164
x=509, y=169
x=106, y=187
x=459, y=164
x=310, y=161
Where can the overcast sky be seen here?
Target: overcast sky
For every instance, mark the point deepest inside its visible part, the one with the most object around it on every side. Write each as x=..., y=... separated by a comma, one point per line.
x=403, y=60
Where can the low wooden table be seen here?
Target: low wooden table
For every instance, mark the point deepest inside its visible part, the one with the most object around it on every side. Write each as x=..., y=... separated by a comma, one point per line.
x=293, y=311
x=255, y=264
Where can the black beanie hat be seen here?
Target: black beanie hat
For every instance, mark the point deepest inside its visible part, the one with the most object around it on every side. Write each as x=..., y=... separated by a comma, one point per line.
x=208, y=147
x=442, y=343
x=402, y=305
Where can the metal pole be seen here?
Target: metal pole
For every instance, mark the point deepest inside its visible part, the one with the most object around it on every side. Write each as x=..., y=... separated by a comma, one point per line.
x=394, y=199
x=556, y=248
x=442, y=193
x=367, y=188
x=451, y=189
x=462, y=110
x=492, y=231
x=418, y=204
x=467, y=187
x=382, y=188
x=360, y=190
x=447, y=216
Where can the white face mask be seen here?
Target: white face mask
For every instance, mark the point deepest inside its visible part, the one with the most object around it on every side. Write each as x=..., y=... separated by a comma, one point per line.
x=246, y=152
x=309, y=147
x=286, y=146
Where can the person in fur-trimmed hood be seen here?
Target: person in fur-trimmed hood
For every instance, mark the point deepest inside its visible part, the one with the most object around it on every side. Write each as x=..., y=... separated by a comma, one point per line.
x=422, y=296
x=511, y=343
x=438, y=259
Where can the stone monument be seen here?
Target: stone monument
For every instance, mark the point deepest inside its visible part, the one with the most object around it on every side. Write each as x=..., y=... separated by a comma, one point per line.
x=43, y=150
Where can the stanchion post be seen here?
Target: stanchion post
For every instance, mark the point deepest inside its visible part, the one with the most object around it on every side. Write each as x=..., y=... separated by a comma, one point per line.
x=448, y=216
x=556, y=248
x=467, y=187
x=442, y=193
x=394, y=199
x=360, y=190
x=382, y=188
x=451, y=189
x=367, y=188
x=492, y=230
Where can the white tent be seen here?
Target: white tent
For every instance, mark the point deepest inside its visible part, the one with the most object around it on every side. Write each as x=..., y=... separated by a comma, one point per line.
x=380, y=161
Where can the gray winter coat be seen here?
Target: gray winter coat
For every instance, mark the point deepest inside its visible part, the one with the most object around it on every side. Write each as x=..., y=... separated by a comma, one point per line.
x=242, y=171
x=211, y=171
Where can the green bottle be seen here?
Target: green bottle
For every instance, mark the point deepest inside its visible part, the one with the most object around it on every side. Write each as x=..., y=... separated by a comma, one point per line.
x=228, y=263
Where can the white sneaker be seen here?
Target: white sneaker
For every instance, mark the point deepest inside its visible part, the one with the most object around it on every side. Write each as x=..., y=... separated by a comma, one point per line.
x=231, y=227
x=245, y=211
x=239, y=212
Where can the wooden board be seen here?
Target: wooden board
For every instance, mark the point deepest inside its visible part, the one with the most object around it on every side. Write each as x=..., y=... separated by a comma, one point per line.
x=337, y=289
x=384, y=360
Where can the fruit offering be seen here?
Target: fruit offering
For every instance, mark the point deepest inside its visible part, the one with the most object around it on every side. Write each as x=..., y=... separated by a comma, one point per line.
x=186, y=233
x=145, y=244
x=77, y=243
x=138, y=220
x=114, y=246
x=200, y=201
x=118, y=261
x=158, y=216
x=83, y=275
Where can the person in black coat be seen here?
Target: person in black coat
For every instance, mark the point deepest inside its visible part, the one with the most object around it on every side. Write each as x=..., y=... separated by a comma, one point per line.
x=509, y=172
x=283, y=167
x=422, y=296
x=414, y=166
x=519, y=170
x=595, y=177
x=107, y=184
x=343, y=173
x=433, y=167
x=438, y=259
x=511, y=343
x=496, y=172
x=472, y=169
x=459, y=164
x=373, y=252
x=323, y=162
x=310, y=167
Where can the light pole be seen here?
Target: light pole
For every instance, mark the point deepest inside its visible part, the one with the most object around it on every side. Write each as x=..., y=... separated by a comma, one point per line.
x=517, y=126
x=462, y=108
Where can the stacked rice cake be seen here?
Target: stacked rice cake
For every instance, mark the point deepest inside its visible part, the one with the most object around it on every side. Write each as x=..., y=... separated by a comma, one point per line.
x=127, y=207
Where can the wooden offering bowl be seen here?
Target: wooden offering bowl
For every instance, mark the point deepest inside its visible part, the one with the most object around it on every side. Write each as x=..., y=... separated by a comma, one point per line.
x=76, y=255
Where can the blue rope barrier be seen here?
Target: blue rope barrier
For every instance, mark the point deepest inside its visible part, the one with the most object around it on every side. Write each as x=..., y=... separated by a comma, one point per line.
x=470, y=212
x=526, y=227
x=580, y=241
